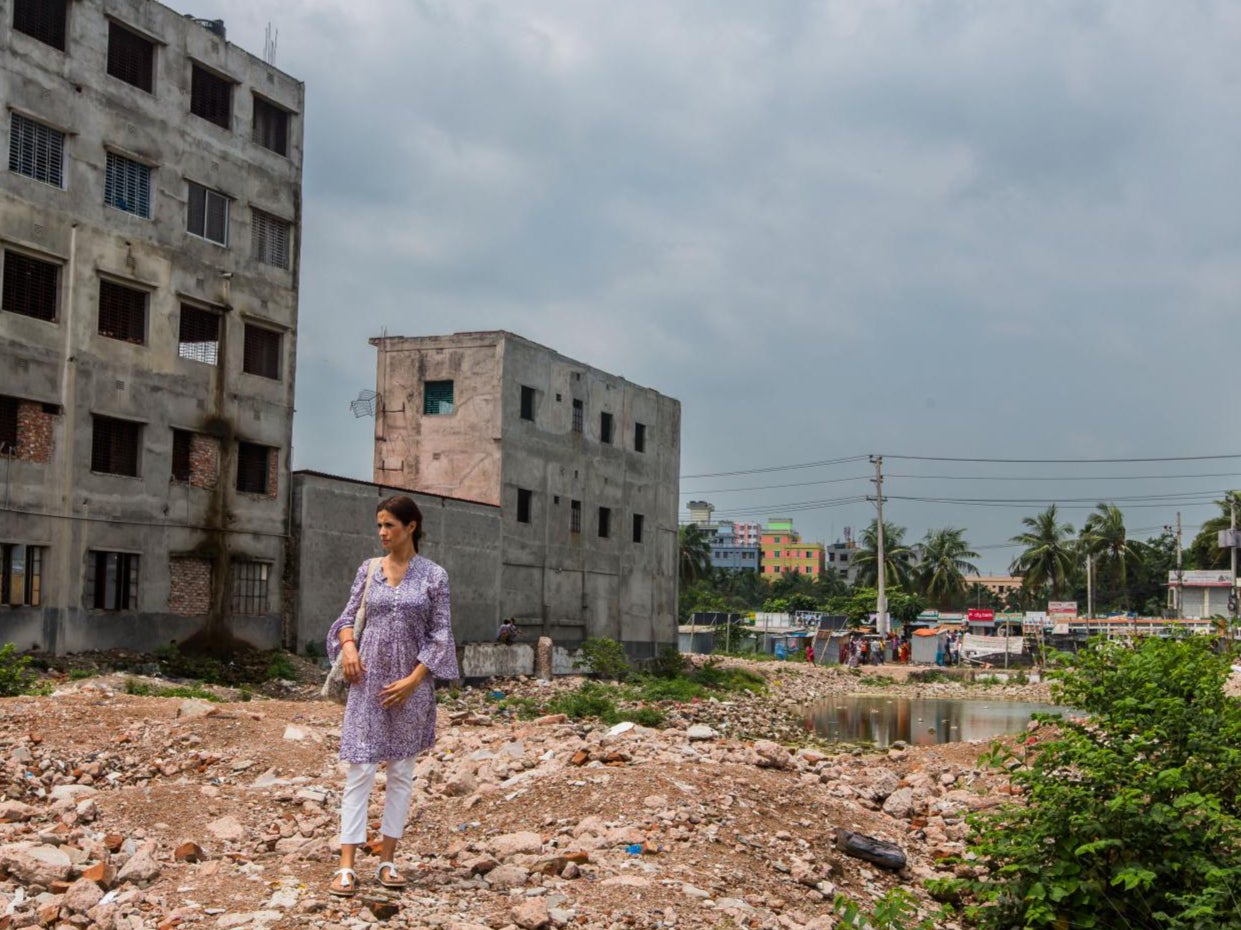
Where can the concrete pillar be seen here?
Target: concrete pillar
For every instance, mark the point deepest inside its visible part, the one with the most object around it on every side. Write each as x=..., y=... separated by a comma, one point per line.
x=543, y=658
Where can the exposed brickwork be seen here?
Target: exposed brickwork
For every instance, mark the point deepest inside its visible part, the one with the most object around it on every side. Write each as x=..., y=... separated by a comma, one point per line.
x=204, y=461
x=273, y=473
x=189, y=587
x=35, y=438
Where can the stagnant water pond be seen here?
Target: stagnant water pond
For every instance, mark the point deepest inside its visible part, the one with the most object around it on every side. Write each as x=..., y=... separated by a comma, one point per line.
x=878, y=720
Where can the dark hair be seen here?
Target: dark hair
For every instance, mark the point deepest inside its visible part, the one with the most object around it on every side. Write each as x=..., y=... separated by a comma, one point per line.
x=405, y=510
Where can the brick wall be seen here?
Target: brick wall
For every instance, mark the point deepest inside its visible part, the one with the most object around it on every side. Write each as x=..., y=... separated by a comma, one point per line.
x=204, y=461
x=34, y=432
x=189, y=588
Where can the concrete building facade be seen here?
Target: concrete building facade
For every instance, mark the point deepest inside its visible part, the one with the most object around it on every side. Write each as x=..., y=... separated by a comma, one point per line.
x=727, y=554
x=583, y=465
x=783, y=551
x=149, y=242
x=840, y=556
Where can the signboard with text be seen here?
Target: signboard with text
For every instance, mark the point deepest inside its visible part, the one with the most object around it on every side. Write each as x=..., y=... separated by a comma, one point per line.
x=1058, y=610
x=976, y=616
x=1199, y=578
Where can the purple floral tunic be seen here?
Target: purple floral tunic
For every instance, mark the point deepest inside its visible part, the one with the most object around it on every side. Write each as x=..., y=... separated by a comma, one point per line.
x=405, y=625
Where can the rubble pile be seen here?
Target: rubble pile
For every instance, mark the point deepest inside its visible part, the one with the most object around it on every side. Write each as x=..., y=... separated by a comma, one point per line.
x=120, y=812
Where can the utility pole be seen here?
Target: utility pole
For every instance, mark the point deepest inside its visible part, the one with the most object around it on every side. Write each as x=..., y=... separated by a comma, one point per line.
x=1089, y=585
x=1232, y=595
x=1180, y=576
x=881, y=606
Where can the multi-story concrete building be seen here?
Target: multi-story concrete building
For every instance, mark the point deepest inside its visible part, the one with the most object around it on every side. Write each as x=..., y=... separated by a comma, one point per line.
x=149, y=231
x=584, y=466
x=747, y=534
x=783, y=551
x=840, y=555
x=728, y=555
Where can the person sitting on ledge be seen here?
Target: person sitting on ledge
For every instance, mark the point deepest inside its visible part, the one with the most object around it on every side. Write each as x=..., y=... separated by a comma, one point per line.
x=509, y=632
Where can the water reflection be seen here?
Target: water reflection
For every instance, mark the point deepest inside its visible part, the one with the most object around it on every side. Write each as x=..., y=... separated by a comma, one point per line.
x=921, y=721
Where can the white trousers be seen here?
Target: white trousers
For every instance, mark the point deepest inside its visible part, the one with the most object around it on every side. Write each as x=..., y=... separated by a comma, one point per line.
x=358, y=781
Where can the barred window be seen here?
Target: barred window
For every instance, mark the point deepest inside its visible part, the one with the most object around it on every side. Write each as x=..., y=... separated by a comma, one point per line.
x=37, y=151
x=261, y=353
x=42, y=19
x=207, y=214
x=114, y=585
x=114, y=446
x=271, y=126
x=250, y=587
x=199, y=337
x=182, y=444
x=437, y=398
x=579, y=411
x=211, y=97
x=575, y=516
x=122, y=312
x=30, y=286
x=269, y=238
x=253, y=467
x=131, y=57
x=127, y=185
x=8, y=425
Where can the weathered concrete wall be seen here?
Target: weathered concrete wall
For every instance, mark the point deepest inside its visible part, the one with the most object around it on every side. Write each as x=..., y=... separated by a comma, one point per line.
x=67, y=364
x=334, y=532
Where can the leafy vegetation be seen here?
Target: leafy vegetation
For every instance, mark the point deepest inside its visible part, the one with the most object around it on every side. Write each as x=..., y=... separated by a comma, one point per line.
x=15, y=676
x=896, y=910
x=281, y=667
x=143, y=689
x=606, y=658
x=1132, y=814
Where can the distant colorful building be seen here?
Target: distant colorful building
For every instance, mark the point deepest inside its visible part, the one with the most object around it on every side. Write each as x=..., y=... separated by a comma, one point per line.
x=783, y=551
x=727, y=555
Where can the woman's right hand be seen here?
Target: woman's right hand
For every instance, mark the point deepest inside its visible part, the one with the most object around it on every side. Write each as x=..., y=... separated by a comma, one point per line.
x=351, y=663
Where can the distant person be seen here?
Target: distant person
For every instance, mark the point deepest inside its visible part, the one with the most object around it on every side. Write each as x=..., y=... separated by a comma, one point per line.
x=810, y=653
x=508, y=633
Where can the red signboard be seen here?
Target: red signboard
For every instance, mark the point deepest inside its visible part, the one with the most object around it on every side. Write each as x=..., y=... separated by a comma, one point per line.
x=988, y=615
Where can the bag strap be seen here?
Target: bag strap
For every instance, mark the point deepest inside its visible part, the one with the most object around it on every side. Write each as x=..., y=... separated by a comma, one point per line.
x=359, y=620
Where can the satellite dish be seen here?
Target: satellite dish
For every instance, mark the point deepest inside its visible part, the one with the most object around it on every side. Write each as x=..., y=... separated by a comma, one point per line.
x=365, y=405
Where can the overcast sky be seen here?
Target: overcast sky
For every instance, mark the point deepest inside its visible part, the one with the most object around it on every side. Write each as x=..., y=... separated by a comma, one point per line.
x=958, y=229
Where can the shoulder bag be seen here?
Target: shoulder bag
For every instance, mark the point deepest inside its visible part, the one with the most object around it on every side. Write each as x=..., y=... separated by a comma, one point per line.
x=336, y=686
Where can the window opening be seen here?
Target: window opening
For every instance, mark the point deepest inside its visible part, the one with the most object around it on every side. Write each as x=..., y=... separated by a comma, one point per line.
x=269, y=239
x=437, y=398
x=575, y=516
x=605, y=428
x=211, y=97
x=131, y=57
x=638, y=520
x=527, y=402
x=639, y=437
x=271, y=126
x=253, y=467
x=261, y=354
x=182, y=444
x=122, y=312
x=30, y=286
x=35, y=150
x=250, y=587
x=199, y=337
x=114, y=446
x=207, y=214
x=127, y=185
x=579, y=411
x=8, y=425
x=524, y=499
x=42, y=19
x=21, y=575
x=116, y=581
x=605, y=522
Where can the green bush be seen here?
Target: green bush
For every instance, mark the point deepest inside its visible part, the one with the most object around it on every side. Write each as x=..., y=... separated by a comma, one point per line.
x=1132, y=815
x=669, y=663
x=142, y=689
x=606, y=658
x=281, y=667
x=15, y=677
x=590, y=700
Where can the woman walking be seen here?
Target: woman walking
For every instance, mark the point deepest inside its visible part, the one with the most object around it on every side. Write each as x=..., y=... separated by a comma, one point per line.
x=406, y=642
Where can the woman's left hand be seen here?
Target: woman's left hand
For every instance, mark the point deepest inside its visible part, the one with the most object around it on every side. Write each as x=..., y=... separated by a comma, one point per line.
x=397, y=693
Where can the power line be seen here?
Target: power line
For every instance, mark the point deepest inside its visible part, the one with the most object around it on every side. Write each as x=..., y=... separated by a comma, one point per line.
x=1169, y=458
x=771, y=468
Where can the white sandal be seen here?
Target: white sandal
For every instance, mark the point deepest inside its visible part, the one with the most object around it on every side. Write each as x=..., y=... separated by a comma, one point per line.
x=348, y=886
x=396, y=881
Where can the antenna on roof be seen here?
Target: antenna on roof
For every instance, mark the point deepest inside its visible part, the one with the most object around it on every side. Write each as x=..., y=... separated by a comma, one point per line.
x=269, y=45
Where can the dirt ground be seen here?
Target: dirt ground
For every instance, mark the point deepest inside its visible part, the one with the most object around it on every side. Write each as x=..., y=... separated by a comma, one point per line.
x=517, y=823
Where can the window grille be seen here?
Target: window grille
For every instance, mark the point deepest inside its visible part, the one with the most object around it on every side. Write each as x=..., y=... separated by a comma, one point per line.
x=524, y=499
x=271, y=126
x=131, y=57
x=575, y=516
x=182, y=443
x=115, y=581
x=638, y=520
x=605, y=428
x=207, y=214
x=114, y=446
x=211, y=97
x=127, y=185
x=30, y=286
x=261, y=353
x=437, y=398
x=122, y=312
x=8, y=425
x=253, y=463
x=199, y=337
x=35, y=150
x=269, y=237
x=639, y=437
x=41, y=19
x=579, y=411
x=527, y=402
x=605, y=522
x=250, y=588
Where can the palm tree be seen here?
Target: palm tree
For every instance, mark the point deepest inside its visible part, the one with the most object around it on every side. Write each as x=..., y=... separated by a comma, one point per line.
x=943, y=565
x=1103, y=537
x=897, y=557
x=1048, y=556
x=1205, y=550
x=695, y=560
